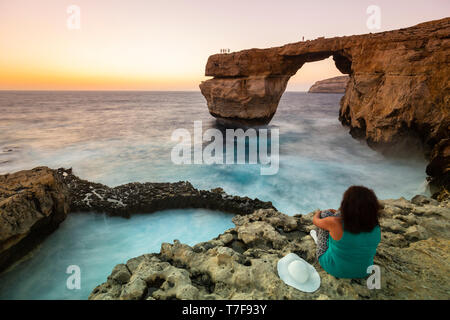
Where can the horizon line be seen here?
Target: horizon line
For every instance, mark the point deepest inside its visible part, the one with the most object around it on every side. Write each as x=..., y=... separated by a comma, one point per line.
x=110, y=90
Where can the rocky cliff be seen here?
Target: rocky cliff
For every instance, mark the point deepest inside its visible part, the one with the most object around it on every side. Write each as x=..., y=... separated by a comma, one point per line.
x=399, y=83
x=331, y=85
x=439, y=170
x=32, y=205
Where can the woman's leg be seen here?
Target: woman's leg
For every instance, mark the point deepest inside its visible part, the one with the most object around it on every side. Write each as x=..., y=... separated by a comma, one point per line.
x=322, y=235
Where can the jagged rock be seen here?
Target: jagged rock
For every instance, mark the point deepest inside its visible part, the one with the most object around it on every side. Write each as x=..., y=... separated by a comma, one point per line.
x=131, y=198
x=415, y=232
x=439, y=169
x=413, y=256
x=421, y=200
x=121, y=274
x=331, y=85
x=134, y=290
x=272, y=216
x=32, y=204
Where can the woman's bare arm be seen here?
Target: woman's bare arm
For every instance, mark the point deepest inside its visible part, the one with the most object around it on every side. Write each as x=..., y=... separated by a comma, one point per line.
x=322, y=223
x=331, y=224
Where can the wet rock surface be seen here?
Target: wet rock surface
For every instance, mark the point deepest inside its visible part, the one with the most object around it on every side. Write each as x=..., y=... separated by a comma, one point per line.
x=132, y=198
x=241, y=262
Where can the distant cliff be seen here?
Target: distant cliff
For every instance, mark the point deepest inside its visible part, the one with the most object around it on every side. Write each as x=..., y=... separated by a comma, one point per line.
x=331, y=85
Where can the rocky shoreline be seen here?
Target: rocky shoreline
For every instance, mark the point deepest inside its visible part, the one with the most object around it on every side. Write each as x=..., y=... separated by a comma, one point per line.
x=241, y=262
x=34, y=202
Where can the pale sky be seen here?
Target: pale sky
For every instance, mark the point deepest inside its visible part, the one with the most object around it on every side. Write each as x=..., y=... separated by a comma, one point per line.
x=164, y=45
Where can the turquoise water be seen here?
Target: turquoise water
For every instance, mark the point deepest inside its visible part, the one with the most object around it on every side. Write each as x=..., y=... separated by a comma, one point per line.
x=96, y=243
x=120, y=137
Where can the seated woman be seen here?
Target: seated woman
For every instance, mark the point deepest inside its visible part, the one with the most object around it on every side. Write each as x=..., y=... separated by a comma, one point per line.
x=347, y=239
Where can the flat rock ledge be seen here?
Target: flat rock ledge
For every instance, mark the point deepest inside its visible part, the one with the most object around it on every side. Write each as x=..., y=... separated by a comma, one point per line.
x=241, y=262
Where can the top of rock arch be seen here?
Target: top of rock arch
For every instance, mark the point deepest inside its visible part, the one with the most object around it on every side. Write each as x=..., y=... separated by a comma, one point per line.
x=286, y=59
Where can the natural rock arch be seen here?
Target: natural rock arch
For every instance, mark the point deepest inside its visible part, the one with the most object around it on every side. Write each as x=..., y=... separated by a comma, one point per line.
x=399, y=84
x=247, y=85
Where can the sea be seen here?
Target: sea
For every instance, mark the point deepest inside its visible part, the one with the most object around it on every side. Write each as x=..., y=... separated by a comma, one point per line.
x=117, y=137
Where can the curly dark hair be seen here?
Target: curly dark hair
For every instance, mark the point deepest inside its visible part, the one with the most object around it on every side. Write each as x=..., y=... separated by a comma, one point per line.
x=360, y=209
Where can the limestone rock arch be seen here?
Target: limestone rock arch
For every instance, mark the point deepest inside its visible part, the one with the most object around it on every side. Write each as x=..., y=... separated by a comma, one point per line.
x=247, y=85
x=399, y=83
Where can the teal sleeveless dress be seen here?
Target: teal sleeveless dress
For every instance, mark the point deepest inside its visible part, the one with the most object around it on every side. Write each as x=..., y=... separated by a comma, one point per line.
x=350, y=256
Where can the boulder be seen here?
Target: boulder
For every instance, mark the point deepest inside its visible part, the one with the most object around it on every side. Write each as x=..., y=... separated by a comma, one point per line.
x=32, y=205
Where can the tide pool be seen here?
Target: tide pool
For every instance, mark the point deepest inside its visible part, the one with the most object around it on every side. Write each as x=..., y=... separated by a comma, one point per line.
x=96, y=243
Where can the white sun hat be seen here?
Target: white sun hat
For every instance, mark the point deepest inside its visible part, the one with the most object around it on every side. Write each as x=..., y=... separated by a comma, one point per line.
x=298, y=273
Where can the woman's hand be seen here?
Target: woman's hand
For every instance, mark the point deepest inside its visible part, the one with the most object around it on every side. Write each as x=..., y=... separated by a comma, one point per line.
x=322, y=223
x=331, y=224
x=316, y=217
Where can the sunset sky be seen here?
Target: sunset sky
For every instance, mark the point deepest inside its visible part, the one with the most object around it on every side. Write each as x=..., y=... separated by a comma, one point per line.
x=164, y=45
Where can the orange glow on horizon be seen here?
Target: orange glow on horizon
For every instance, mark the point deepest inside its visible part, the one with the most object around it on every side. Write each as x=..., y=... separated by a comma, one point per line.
x=23, y=79
x=164, y=45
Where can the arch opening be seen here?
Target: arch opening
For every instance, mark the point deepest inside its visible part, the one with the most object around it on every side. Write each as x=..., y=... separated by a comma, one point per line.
x=311, y=72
